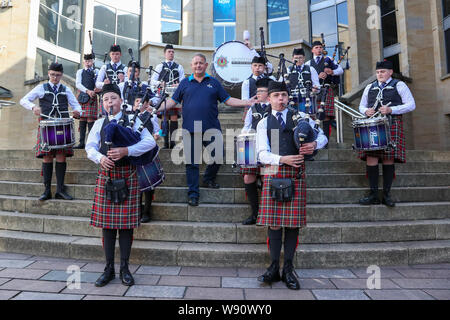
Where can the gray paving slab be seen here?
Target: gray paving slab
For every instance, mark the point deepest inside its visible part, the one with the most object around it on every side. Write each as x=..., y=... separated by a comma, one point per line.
x=398, y=295
x=106, y=298
x=228, y=282
x=439, y=294
x=249, y=272
x=423, y=283
x=54, y=265
x=212, y=272
x=308, y=284
x=56, y=275
x=262, y=294
x=190, y=281
x=34, y=285
x=197, y=293
x=329, y=294
x=100, y=267
x=169, y=271
x=362, y=284
x=14, y=256
x=325, y=273
x=53, y=259
x=7, y=294
x=143, y=279
x=4, y=280
x=111, y=289
x=156, y=291
x=46, y=296
x=384, y=273
x=425, y=273
x=30, y=274
x=13, y=263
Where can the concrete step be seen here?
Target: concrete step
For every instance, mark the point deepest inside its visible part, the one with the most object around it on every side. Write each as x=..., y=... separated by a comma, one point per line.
x=213, y=232
x=236, y=213
x=230, y=180
x=230, y=255
x=322, y=167
x=237, y=195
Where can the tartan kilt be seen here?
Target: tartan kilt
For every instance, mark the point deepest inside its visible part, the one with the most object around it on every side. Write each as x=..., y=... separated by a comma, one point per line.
x=68, y=152
x=397, y=154
x=107, y=215
x=283, y=214
x=329, y=103
x=249, y=171
x=90, y=109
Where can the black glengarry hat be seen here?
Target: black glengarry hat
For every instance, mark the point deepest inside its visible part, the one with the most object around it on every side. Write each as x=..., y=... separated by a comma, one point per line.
x=386, y=64
x=260, y=60
x=317, y=43
x=111, y=87
x=115, y=48
x=263, y=83
x=89, y=56
x=298, y=52
x=56, y=67
x=275, y=86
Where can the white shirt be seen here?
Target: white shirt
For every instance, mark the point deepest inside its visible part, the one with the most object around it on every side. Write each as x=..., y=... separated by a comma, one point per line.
x=154, y=80
x=78, y=79
x=265, y=156
x=155, y=100
x=339, y=71
x=314, y=76
x=269, y=66
x=245, y=90
x=102, y=74
x=249, y=118
x=409, y=104
x=93, y=144
x=38, y=92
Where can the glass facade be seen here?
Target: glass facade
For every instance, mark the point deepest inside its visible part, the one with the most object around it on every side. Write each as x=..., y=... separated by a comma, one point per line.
x=446, y=13
x=171, y=21
x=278, y=21
x=224, y=18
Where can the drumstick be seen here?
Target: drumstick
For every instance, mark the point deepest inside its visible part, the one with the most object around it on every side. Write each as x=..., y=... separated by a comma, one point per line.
x=379, y=111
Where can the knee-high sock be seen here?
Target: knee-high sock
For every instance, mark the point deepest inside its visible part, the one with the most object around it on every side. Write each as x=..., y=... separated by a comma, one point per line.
x=90, y=125
x=60, y=174
x=109, y=245
x=83, y=125
x=290, y=243
x=148, y=200
x=372, y=174
x=326, y=129
x=275, y=244
x=388, y=177
x=252, y=193
x=172, y=127
x=125, y=243
x=47, y=171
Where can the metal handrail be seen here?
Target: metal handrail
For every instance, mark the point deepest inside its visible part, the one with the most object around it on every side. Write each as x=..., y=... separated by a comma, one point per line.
x=340, y=108
x=4, y=103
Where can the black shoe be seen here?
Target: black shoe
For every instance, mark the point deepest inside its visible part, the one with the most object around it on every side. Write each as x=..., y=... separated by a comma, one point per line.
x=371, y=199
x=289, y=277
x=272, y=274
x=106, y=277
x=47, y=195
x=146, y=215
x=387, y=200
x=62, y=195
x=211, y=185
x=126, y=277
x=80, y=146
x=250, y=221
x=193, y=202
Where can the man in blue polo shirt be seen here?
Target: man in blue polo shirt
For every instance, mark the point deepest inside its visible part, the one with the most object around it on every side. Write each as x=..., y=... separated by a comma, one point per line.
x=198, y=95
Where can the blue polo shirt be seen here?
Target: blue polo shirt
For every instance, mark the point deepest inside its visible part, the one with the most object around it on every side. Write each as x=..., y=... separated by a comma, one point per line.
x=199, y=100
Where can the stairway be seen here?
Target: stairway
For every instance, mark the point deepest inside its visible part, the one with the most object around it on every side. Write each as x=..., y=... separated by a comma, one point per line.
x=340, y=233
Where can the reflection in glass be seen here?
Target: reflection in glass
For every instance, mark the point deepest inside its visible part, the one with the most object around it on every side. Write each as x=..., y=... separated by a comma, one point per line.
x=277, y=9
x=219, y=36
x=325, y=21
x=279, y=31
x=52, y=4
x=128, y=25
x=170, y=32
x=389, y=27
x=69, y=35
x=104, y=18
x=102, y=43
x=70, y=68
x=171, y=9
x=48, y=25
x=72, y=9
x=125, y=44
x=43, y=61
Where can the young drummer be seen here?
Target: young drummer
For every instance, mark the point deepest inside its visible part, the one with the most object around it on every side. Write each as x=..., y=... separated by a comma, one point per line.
x=395, y=100
x=255, y=114
x=285, y=164
x=122, y=215
x=54, y=100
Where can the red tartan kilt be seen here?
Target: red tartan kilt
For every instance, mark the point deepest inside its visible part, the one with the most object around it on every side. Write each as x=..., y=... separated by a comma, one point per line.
x=249, y=171
x=90, y=109
x=107, y=215
x=68, y=152
x=329, y=103
x=283, y=214
x=397, y=135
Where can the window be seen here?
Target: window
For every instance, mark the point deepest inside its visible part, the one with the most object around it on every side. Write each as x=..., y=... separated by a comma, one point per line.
x=388, y=22
x=171, y=19
x=278, y=21
x=43, y=61
x=60, y=23
x=116, y=25
x=224, y=17
x=446, y=12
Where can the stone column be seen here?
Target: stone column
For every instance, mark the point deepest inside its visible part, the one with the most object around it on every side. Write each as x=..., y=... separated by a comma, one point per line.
x=260, y=21
x=205, y=20
x=188, y=23
x=299, y=20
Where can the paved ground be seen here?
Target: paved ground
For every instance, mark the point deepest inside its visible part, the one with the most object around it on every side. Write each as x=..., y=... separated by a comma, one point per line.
x=40, y=278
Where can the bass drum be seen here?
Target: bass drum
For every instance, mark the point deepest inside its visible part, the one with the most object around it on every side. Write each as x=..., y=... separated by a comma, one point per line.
x=232, y=63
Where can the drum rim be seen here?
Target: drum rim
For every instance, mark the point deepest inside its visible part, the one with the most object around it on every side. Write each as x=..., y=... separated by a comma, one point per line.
x=372, y=120
x=57, y=120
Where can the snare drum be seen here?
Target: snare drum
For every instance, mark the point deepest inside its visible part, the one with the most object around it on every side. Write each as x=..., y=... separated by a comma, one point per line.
x=246, y=156
x=57, y=133
x=372, y=134
x=150, y=175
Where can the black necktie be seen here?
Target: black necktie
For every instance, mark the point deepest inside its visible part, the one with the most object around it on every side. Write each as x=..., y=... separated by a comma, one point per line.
x=280, y=120
x=55, y=89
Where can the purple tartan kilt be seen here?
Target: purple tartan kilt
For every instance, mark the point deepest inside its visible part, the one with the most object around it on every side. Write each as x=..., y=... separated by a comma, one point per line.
x=283, y=214
x=249, y=171
x=107, y=215
x=397, y=135
x=68, y=152
x=329, y=103
x=90, y=109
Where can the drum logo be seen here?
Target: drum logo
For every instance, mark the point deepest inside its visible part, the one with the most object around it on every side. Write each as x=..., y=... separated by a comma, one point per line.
x=373, y=138
x=222, y=62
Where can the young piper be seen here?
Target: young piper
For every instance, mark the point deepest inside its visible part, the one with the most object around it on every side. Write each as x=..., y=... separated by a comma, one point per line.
x=152, y=127
x=85, y=82
x=114, y=163
x=113, y=72
x=54, y=100
x=254, y=115
x=285, y=164
x=396, y=100
x=136, y=87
